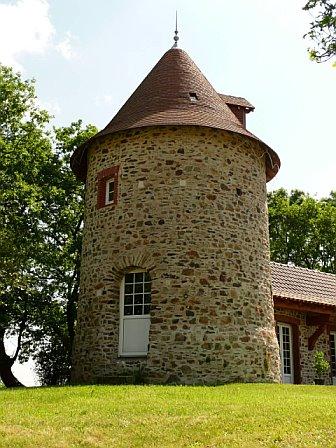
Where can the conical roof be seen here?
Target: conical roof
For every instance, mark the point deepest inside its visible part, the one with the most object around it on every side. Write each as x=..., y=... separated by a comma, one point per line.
x=175, y=92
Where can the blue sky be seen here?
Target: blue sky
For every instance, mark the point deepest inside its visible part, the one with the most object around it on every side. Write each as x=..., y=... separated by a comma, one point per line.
x=87, y=58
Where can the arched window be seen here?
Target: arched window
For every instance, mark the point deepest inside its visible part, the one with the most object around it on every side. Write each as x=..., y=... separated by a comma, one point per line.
x=135, y=301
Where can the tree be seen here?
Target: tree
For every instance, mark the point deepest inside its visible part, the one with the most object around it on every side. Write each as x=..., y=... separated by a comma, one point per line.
x=322, y=29
x=40, y=225
x=24, y=172
x=53, y=356
x=303, y=229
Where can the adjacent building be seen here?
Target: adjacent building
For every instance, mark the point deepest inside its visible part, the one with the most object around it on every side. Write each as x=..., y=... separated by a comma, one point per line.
x=305, y=314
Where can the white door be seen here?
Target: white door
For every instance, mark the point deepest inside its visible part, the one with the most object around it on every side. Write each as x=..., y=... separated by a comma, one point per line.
x=285, y=339
x=135, y=299
x=333, y=356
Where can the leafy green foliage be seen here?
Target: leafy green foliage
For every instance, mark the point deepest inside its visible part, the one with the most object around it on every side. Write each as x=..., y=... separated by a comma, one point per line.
x=303, y=229
x=64, y=241
x=321, y=365
x=41, y=215
x=322, y=29
x=26, y=162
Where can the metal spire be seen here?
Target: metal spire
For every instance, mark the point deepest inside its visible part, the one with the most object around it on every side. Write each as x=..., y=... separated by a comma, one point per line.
x=176, y=38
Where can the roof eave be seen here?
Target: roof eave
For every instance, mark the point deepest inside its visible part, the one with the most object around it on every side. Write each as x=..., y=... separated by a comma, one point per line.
x=78, y=160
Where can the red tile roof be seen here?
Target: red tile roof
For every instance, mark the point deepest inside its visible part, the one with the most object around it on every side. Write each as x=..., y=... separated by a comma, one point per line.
x=292, y=282
x=164, y=98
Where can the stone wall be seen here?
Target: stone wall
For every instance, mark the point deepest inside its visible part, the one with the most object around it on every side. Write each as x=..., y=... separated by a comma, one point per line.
x=306, y=355
x=192, y=211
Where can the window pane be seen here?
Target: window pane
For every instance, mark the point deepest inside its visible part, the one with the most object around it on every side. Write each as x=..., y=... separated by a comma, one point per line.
x=111, y=196
x=136, y=301
x=128, y=289
x=128, y=310
x=129, y=278
x=147, y=277
x=138, y=310
x=110, y=191
x=139, y=277
x=128, y=300
x=138, y=298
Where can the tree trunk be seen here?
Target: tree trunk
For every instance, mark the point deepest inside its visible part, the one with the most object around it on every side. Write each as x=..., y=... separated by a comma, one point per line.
x=6, y=363
x=8, y=378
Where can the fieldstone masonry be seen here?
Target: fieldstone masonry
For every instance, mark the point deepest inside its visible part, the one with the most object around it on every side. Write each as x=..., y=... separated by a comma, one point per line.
x=192, y=212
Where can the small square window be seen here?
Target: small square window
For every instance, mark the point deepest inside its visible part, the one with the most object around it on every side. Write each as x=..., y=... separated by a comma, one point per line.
x=193, y=97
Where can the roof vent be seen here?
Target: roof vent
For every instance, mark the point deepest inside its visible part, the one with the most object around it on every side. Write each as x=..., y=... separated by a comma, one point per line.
x=193, y=97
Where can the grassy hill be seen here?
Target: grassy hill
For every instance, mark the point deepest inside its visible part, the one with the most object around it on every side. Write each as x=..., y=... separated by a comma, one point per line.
x=236, y=415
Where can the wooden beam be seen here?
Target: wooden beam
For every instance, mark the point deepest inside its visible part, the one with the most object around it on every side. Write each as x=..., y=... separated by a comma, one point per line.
x=314, y=337
x=297, y=305
x=318, y=319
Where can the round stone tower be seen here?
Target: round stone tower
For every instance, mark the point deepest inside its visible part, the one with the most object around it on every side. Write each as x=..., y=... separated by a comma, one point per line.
x=175, y=275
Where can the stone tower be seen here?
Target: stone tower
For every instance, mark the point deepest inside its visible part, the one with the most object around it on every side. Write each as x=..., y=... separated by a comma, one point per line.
x=175, y=275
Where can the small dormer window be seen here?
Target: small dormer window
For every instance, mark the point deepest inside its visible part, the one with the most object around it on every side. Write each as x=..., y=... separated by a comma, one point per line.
x=193, y=97
x=109, y=192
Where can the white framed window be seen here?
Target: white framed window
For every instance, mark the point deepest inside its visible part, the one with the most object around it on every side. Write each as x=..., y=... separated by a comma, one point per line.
x=135, y=302
x=285, y=339
x=107, y=183
x=333, y=356
x=109, y=191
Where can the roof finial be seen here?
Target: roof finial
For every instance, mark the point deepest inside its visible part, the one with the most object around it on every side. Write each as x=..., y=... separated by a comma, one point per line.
x=176, y=38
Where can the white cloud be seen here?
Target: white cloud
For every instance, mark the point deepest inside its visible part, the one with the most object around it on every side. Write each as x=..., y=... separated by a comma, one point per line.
x=104, y=100
x=52, y=106
x=65, y=47
x=25, y=27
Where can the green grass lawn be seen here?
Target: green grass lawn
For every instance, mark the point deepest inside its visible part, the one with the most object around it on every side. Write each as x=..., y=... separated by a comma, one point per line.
x=236, y=415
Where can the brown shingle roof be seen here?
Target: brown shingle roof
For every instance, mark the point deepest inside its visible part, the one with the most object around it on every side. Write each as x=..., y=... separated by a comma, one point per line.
x=292, y=282
x=236, y=101
x=163, y=98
